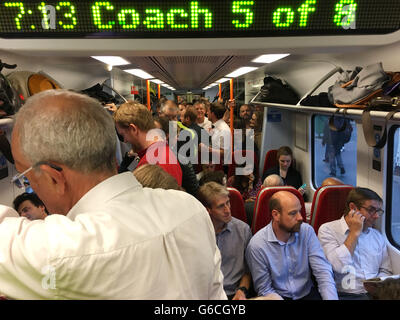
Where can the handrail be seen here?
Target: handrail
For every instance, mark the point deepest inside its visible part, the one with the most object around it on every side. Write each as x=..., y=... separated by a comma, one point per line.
x=357, y=113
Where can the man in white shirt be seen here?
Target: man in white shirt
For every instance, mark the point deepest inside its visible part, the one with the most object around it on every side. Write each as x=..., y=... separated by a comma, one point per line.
x=221, y=136
x=108, y=237
x=356, y=251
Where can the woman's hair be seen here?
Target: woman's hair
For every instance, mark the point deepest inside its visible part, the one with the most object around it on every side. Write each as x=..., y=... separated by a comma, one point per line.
x=153, y=176
x=284, y=151
x=259, y=122
x=68, y=128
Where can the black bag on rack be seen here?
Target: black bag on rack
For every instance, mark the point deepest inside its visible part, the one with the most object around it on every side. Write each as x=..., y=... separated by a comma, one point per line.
x=275, y=90
x=10, y=102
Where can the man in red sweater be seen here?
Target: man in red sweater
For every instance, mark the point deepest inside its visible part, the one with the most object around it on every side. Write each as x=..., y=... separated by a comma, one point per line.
x=135, y=124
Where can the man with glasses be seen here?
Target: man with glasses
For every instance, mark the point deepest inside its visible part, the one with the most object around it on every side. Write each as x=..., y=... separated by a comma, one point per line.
x=107, y=236
x=356, y=251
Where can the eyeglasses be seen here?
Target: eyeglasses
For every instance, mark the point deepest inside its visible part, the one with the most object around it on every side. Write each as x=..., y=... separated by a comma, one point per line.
x=373, y=210
x=21, y=181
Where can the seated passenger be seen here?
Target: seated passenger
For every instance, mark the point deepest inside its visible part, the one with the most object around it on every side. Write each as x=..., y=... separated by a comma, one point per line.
x=30, y=206
x=273, y=180
x=283, y=255
x=356, y=251
x=332, y=181
x=215, y=176
x=134, y=122
x=247, y=182
x=152, y=176
x=290, y=176
x=232, y=235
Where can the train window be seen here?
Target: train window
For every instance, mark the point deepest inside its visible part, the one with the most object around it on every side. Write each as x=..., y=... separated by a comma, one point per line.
x=335, y=153
x=393, y=201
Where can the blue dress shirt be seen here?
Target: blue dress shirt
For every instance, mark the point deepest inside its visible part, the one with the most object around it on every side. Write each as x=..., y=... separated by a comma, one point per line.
x=232, y=242
x=285, y=268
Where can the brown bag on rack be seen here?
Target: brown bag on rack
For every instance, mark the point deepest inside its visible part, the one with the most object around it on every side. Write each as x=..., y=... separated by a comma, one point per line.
x=383, y=103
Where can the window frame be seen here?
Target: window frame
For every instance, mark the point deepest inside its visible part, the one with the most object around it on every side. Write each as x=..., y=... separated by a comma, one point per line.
x=389, y=186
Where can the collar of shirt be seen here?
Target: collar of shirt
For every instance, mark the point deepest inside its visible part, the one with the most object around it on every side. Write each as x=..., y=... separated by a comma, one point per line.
x=102, y=193
x=271, y=237
x=227, y=227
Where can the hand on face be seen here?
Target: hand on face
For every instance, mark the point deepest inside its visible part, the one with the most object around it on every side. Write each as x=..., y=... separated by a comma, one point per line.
x=355, y=221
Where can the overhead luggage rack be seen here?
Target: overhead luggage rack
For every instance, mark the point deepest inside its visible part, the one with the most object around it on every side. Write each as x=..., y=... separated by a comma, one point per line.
x=354, y=113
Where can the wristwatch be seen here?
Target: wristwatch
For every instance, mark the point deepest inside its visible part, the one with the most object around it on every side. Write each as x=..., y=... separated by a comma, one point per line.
x=244, y=289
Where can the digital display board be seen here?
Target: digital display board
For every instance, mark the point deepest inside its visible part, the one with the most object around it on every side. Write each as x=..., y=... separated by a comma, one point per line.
x=196, y=18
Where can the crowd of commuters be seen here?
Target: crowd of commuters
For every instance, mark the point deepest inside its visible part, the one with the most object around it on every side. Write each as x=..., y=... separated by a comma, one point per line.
x=142, y=234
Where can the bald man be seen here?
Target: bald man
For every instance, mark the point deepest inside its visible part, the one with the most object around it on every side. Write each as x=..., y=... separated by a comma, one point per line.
x=332, y=181
x=283, y=255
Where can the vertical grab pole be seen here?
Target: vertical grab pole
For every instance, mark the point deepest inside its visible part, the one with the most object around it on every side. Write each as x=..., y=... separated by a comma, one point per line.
x=159, y=91
x=148, y=94
x=231, y=114
x=220, y=91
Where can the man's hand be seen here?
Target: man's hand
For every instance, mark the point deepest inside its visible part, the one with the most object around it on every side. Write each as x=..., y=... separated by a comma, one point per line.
x=111, y=107
x=355, y=221
x=239, y=295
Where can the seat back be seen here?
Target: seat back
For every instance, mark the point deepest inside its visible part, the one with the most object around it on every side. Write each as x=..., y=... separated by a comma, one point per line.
x=262, y=215
x=270, y=159
x=237, y=204
x=328, y=204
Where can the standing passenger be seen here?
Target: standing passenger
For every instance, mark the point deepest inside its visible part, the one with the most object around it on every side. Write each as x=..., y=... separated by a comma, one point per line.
x=30, y=206
x=134, y=123
x=108, y=238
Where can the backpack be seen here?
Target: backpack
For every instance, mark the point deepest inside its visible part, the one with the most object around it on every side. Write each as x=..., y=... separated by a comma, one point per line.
x=10, y=101
x=275, y=90
x=347, y=132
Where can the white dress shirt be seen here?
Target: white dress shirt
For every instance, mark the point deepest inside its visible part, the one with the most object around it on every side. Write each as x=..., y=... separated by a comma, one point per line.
x=370, y=258
x=120, y=241
x=221, y=139
x=206, y=125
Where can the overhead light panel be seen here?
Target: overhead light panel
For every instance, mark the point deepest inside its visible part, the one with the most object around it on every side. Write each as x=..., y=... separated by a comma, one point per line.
x=223, y=80
x=157, y=81
x=269, y=58
x=112, y=60
x=241, y=71
x=140, y=73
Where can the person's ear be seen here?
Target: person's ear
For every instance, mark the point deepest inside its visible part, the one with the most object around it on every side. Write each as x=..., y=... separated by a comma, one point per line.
x=352, y=206
x=55, y=177
x=133, y=129
x=275, y=214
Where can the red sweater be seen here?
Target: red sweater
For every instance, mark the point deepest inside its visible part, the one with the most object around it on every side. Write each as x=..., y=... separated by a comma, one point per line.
x=160, y=154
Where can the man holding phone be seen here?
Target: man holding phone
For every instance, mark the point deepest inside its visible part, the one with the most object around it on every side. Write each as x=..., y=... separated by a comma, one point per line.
x=356, y=251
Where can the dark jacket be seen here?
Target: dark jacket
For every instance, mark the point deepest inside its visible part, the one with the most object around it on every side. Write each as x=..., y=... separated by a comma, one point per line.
x=293, y=177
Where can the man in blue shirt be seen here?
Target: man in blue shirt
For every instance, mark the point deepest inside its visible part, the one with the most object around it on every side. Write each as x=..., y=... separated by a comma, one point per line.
x=284, y=255
x=232, y=235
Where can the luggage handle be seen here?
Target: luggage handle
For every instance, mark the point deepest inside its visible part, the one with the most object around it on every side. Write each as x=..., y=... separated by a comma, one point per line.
x=320, y=82
x=368, y=128
x=7, y=66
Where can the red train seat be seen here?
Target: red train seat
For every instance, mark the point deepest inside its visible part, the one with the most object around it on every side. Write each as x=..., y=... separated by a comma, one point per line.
x=328, y=204
x=237, y=204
